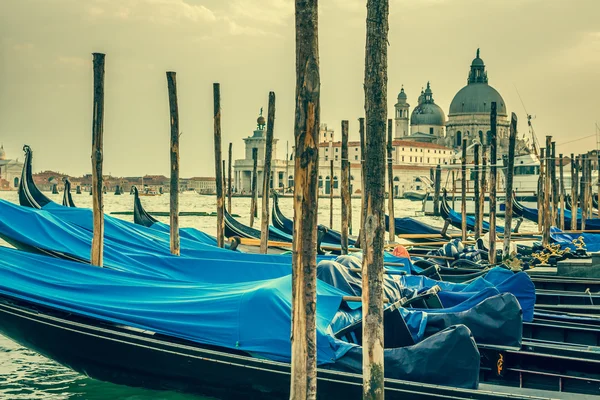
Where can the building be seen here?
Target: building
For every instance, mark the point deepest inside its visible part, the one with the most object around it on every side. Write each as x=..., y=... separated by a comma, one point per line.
x=412, y=162
x=469, y=116
x=203, y=185
x=281, y=170
x=10, y=171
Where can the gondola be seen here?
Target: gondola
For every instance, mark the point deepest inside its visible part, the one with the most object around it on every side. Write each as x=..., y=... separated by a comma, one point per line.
x=123, y=355
x=286, y=225
x=532, y=214
x=409, y=226
x=29, y=194
x=235, y=228
x=67, y=199
x=455, y=219
x=140, y=215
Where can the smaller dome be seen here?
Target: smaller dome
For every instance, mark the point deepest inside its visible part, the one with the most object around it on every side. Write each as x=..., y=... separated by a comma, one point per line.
x=2, y=153
x=428, y=114
x=402, y=95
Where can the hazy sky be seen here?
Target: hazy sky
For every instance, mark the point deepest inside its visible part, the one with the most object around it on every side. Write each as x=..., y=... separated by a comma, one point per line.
x=548, y=49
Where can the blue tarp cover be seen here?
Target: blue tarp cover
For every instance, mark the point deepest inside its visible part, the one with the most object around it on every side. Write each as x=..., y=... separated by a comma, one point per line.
x=252, y=316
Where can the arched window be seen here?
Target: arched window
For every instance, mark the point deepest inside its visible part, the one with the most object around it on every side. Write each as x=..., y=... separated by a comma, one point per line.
x=335, y=182
x=320, y=181
x=16, y=182
x=291, y=181
x=396, y=179
x=327, y=185
x=458, y=138
x=488, y=134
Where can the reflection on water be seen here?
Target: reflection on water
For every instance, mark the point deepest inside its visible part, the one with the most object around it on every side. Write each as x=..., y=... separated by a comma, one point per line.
x=27, y=375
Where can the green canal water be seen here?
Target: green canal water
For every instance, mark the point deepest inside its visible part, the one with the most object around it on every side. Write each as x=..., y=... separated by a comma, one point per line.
x=25, y=374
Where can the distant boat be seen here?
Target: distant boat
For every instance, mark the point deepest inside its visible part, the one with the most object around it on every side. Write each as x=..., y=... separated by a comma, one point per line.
x=149, y=192
x=415, y=195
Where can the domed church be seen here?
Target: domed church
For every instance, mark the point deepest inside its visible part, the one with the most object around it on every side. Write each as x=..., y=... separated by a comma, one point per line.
x=427, y=120
x=469, y=116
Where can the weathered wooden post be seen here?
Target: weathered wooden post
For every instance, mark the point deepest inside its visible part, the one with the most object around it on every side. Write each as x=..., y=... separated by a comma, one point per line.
x=218, y=172
x=483, y=187
x=345, y=181
x=493, y=180
x=306, y=172
x=390, y=171
x=224, y=181
x=598, y=193
x=512, y=139
x=174, y=153
x=554, y=184
x=264, y=221
x=350, y=197
x=547, y=189
x=476, y=193
x=588, y=199
x=463, y=189
x=583, y=190
x=254, y=200
x=436, y=190
x=363, y=152
x=372, y=278
x=453, y=190
x=540, y=194
x=574, y=191
x=331, y=194
x=97, y=159
x=229, y=180
x=562, y=193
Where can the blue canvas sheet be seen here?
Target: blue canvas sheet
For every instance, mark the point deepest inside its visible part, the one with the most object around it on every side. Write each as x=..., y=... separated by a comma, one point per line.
x=591, y=240
x=519, y=284
x=252, y=317
x=187, y=233
x=138, y=249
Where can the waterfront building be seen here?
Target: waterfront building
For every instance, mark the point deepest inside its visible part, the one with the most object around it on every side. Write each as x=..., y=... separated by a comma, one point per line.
x=10, y=171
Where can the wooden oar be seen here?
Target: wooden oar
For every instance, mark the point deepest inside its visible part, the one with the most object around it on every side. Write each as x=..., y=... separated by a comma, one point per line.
x=270, y=243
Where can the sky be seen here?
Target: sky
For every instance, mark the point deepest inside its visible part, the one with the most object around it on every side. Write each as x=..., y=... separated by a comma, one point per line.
x=548, y=51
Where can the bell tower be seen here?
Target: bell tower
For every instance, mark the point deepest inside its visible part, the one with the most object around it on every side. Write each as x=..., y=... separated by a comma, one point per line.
x=401, y=116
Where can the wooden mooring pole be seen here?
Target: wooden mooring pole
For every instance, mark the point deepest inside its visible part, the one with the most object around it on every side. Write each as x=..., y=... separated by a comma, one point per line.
x=372, y=279
x=583, y=190
x=463, y=189
x=561, y=175
x=363, y=152
x=218, y=171
x=264, y=221
x=253, y=200
x=554, y=185
x=349, y=197
x=493, y=181
x=437, y=187
x=306, y=201
x=331, y=193
x=390, y=174
x=478, y=230
x=598, y=184
x=483, y=187
x=345, y=181
x=573, y=191
x=97, y=253
x=229, y=180
x=547, y=189
x=512, y=139
x=540, y=192
x=174, y=154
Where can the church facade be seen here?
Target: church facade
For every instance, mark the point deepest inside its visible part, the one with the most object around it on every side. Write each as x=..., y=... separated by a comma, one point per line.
x=468, y=117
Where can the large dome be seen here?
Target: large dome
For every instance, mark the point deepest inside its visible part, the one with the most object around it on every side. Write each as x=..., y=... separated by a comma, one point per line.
x=477, y=98
x=428, y=114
